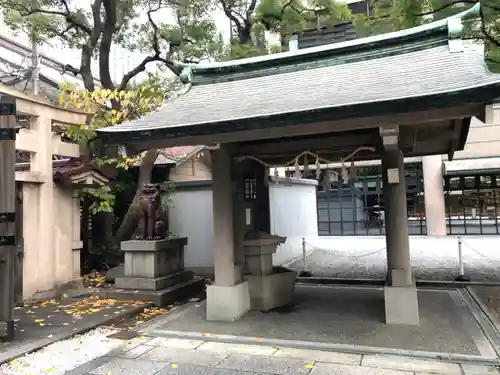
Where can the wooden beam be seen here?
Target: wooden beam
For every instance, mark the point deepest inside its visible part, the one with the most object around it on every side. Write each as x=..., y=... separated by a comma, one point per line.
x=30, y=105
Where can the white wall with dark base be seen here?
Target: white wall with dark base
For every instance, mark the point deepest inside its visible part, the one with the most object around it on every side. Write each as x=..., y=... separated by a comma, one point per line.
x=191, y=216
x=294, y=215
x=292, y=209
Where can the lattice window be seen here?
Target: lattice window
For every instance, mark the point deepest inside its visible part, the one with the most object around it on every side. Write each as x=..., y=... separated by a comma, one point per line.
x=23, y=156
x=250, y=189
x=23, y=122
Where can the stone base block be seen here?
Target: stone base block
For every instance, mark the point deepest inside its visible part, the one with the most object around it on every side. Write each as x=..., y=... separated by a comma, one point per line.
x=227, y=303
x=163, y=297
x=157, y=283
x=401, y=305
x=271, y=291
x=6, y=330
x=150, y=259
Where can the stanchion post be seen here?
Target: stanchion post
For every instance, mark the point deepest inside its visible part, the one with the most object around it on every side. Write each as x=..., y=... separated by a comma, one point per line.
x=304, y=272
x=7, y=214
x=461, y=276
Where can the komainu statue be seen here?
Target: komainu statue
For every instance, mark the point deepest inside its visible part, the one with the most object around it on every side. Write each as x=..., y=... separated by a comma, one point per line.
x=150, y=203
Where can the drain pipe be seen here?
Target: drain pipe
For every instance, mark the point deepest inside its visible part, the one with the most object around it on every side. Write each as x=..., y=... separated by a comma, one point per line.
x=304, y=272
x=461, y=276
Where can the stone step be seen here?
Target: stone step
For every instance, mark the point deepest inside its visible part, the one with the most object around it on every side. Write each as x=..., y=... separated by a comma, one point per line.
x=157, y=283
x=162, y=297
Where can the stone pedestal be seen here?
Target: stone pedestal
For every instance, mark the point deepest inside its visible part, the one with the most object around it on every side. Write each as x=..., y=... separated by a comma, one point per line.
x=154, y=271
x=401, y=305
x=270, y=287
x=227, y=303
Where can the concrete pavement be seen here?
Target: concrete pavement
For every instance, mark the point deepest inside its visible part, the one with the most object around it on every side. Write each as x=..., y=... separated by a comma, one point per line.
x=172, y=356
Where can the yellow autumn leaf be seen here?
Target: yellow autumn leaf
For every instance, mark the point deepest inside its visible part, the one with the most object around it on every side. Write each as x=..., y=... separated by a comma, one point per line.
x=39, y=320
x=174, y=366
x=50, y=369
x=309, y=366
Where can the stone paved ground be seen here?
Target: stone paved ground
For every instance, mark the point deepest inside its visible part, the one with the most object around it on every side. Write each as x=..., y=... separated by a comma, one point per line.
x=171, y=356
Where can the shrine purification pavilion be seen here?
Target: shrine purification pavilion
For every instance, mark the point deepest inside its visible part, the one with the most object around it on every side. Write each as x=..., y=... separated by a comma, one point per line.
x=401, y=94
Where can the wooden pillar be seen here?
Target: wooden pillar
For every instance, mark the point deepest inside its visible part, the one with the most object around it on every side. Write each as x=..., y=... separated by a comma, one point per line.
x=7, y=214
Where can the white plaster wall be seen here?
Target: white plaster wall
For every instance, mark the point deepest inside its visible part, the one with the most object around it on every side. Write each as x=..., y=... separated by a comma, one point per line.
x=293, y=215
x=192, y=216
x=63, y=234
x=34, y=277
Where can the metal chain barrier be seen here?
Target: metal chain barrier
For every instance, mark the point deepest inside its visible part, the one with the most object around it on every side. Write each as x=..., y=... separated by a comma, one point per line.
x=352, y=264
x=340, y=268
x=479, y=253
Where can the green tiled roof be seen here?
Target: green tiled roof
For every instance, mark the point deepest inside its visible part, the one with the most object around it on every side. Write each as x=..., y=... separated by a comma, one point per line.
x=404, y=65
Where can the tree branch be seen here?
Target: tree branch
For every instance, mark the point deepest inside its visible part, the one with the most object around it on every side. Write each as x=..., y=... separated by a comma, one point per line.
x=68, y=16
x=156, y=56
x=486, y=33
x=445, y=7
x=230, y=14
x=89, y=47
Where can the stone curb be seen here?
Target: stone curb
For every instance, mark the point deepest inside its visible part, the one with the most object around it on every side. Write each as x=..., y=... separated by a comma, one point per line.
x=342, y=348
x=154, y=330
x=484, y=309
x=381, y=282
x=30, y=347
x=488, y=319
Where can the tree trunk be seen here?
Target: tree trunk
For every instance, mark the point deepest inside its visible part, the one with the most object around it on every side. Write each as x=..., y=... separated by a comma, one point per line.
x=105, y=45
x=131, y=219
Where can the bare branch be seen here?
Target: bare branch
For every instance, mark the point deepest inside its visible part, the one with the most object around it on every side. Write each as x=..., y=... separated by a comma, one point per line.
x=450, y=4
x=251, y=9
x=156, y=56
x=230, y=13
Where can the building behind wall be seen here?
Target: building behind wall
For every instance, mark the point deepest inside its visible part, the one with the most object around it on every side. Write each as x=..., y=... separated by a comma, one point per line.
x=455, y=197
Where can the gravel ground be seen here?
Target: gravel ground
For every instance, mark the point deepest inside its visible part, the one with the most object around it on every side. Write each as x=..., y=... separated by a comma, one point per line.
x=426, y=265
x=65, y=355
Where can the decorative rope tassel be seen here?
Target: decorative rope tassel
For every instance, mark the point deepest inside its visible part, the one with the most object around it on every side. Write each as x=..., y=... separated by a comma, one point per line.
x=327, y=179
x=352, y=171
x=345, y=174
x=276, y=174
x=318, y=168
x=334, y=176
x=297, y=171
x=306, y=167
